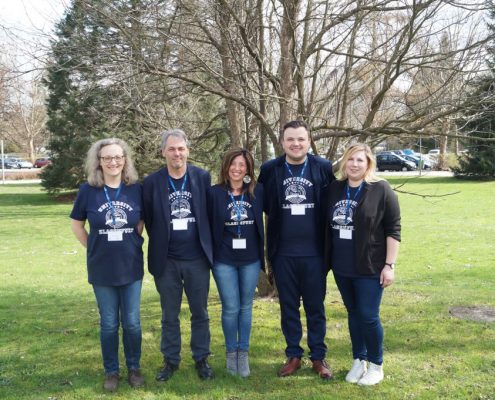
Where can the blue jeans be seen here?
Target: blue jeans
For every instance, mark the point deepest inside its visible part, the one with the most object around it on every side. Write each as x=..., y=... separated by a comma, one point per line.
x=236, y=286
x=362, y=297
x=112, y=301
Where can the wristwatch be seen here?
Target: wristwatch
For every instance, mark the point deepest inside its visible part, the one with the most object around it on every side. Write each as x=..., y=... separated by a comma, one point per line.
x=391, y=265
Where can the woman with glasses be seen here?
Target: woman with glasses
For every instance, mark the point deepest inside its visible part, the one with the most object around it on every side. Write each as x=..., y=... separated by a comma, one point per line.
x=237, y=229
x=111, y=203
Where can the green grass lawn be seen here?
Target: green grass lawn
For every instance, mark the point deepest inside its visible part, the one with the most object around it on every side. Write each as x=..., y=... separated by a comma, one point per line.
x=49, y=346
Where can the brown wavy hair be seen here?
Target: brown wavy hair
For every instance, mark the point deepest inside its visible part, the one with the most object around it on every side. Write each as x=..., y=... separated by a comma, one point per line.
x=227, y=161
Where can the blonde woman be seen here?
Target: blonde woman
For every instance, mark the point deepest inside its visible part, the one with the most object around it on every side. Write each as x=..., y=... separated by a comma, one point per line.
x=362, y=244
x=111, y=203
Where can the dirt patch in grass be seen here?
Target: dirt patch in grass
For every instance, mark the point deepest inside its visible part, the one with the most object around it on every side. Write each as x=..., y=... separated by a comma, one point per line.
x=66, y=197
x=474, y=313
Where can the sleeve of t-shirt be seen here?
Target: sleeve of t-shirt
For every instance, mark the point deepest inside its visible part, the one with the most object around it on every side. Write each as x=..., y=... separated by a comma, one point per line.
x=79, y=212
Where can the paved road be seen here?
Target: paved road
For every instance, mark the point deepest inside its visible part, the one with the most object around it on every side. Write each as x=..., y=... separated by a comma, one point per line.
x=18, y=181
x=398, y=174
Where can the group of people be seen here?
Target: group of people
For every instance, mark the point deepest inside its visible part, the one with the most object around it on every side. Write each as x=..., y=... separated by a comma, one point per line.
x=315, y=223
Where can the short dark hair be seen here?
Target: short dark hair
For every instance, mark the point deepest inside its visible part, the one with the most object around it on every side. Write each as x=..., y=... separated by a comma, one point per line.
x=297, y=123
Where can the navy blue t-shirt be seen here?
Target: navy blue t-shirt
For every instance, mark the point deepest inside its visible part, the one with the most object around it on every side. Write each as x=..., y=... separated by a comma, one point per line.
x=184, y=244
x=114, y=252
x=247, y=226
x=343, y=234
x=298, y=235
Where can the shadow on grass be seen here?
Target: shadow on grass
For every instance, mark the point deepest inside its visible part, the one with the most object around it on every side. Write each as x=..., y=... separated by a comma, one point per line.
x=27, y=199
x=34, y=214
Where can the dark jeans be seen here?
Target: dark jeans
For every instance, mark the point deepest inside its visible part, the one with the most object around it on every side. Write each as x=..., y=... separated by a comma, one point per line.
x=362, y=297
x=304, y=277
x=192, y=276
x=124, y=302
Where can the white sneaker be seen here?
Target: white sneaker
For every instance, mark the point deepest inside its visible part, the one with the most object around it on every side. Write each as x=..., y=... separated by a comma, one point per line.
x=358, y=369
x=373, y=376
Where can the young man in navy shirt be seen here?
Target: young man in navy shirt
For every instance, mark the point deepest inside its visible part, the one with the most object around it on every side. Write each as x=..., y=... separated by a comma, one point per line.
x=296, y=187
x=180, y=250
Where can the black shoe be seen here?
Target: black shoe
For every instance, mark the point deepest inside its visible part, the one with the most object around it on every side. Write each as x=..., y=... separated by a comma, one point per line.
x=204, y=370
x=166, y=372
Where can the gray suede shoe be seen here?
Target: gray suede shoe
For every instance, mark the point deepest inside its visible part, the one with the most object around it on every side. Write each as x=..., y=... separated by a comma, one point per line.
x=232, y=362
x=243, y=364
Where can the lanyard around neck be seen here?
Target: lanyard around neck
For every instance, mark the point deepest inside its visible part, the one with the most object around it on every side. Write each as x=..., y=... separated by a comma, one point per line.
x=302, y=171
x=238, y=209
x=183, y=186
x=107, y=195
x=348, y=198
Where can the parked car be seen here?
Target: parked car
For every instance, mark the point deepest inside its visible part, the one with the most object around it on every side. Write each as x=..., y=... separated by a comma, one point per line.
x=427, y=164
x=23, y=163
x=434, y=152
x=41, y=162
x=398, y=152
x=10, y=163
x=393, y=162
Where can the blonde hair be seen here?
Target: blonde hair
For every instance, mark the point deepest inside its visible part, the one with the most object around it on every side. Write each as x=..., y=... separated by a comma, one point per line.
x=93, y=168
x=369, y=175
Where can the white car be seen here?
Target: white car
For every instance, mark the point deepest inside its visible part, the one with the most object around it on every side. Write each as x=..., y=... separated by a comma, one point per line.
x=434, y=152
x=24, y=163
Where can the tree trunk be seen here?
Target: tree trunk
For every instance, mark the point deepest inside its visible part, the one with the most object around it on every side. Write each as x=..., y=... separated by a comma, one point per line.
x=287, y=62
x=232, y=107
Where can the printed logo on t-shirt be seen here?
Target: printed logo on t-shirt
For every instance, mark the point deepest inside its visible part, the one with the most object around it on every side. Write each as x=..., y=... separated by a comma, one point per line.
x=340, y=210
x=116, y=219
x=234, y=217
x=180, y=207
x=296, y=191
x=120, y=216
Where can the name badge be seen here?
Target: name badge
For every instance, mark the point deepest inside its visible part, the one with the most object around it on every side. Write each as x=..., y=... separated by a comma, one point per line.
x=114, y=236
x=345, y=234
x=179, y=224
x=297, y=209
x=238, y=243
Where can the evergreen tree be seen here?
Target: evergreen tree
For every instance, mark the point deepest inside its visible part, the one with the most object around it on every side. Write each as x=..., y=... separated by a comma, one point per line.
x=478, y=121
x=97, y=88
x=75, y=100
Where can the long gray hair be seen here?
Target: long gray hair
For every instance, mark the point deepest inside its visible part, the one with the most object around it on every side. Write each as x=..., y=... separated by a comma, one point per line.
x=93, y=168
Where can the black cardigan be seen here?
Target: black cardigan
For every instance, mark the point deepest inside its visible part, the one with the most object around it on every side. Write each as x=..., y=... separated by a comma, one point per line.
x=377, y=217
